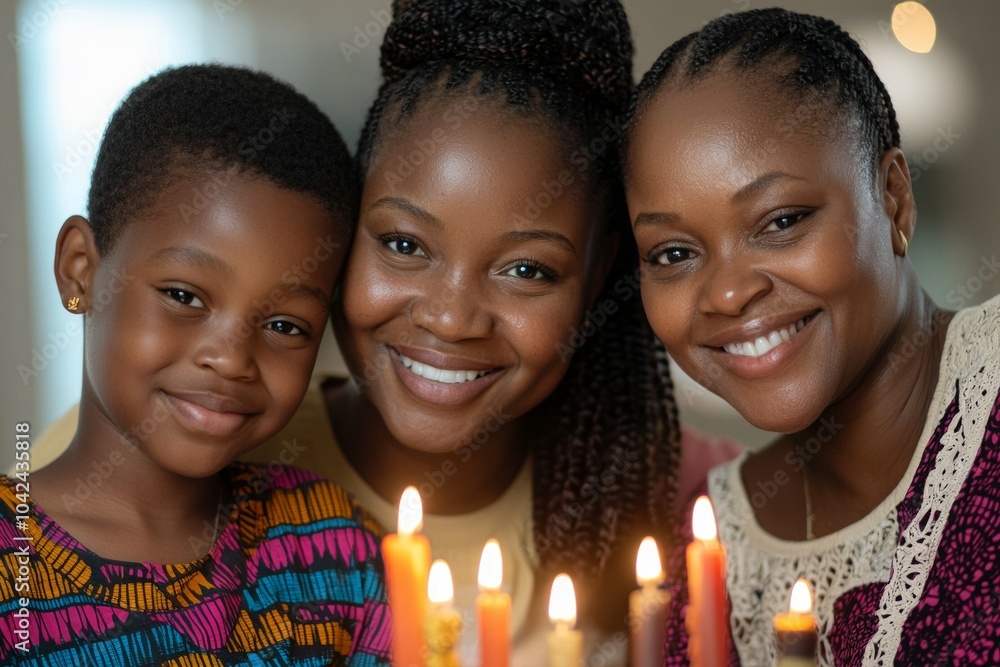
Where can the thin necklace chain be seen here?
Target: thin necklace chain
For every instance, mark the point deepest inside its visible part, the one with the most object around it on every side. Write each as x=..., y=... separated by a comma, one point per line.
x=810, y=535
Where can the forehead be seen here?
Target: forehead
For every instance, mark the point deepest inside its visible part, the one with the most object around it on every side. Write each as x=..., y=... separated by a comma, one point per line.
x=247, y=221
x=730, y=127
x=479, y=160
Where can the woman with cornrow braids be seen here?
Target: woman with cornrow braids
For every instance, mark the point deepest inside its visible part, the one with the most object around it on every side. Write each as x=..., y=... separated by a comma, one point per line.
x=773, y=208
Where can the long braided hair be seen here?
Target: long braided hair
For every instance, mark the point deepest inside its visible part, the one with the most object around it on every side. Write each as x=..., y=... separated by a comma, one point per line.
x=606, y=469
x=800, y=53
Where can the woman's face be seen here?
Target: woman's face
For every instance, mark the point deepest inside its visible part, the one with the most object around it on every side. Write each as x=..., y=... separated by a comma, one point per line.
x=769, y=273
x=476, y=254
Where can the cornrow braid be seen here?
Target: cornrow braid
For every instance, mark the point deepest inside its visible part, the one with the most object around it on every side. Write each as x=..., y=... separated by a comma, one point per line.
x=807, y=54
x=606, y=466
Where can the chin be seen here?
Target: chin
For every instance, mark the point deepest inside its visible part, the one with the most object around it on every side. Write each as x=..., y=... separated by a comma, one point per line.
x=790, y=418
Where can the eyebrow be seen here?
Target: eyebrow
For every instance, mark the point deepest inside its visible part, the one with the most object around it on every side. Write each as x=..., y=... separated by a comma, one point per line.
x=761, y=183
x=742, y=194
x=194, y=256
x=311, y=293
x=408, y=207
x=540, y=234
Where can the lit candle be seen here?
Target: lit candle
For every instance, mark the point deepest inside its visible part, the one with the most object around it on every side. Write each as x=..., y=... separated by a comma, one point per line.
x=796, y=631
x=647, y=608
x=492, y=610
x=444, y=625
x=407, y=561
x=707, y=613
x=565, y=644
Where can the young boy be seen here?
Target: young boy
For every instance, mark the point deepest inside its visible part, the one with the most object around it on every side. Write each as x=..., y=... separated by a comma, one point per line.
x=219, y=216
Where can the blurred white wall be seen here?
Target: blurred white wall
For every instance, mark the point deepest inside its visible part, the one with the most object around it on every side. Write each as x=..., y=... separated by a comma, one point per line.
x=64, y=64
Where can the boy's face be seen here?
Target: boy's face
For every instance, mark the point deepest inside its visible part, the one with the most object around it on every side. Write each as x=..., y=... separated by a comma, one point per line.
x=204, y=320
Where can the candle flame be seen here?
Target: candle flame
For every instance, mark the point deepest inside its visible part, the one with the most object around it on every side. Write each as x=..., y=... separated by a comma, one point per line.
x=562, y=601
x=491, y=567
x=703, y=519
x=411, y=512
x=647, y=563
x=802, y=599
x=440, y=590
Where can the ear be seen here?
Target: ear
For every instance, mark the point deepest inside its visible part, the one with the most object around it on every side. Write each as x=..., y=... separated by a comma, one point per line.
x=897, y=196
x=76, y=262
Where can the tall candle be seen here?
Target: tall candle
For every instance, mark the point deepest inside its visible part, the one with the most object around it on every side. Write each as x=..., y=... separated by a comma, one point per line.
x=565, y=644
x=647, y=609
x=407, y=557
x=796, y=631
x=444, y=625
x=493, y=610
x=707, y=613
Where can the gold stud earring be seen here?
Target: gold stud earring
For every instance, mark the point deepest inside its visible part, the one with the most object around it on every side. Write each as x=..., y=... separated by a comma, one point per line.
x=906, y=244
x=73, y=304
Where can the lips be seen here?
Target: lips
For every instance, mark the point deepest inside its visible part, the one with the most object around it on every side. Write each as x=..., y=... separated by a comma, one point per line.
x=765, y=343
x=442, y=379
x=210, y=414
x=442, y=375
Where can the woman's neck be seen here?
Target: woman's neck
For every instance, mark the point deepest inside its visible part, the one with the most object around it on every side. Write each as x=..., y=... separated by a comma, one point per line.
x=856, y=453
x=464, y=480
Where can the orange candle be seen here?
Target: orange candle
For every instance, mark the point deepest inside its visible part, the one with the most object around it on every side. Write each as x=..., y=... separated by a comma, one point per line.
x=707, y=613
x=492, y=610
x=647, y=609
x=796, y=631
x=407, y=557
x=564, y=643
x=444, y=625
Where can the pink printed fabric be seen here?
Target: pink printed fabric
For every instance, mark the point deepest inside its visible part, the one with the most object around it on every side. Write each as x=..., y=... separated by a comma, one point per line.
x=957, y=620
x=294, y=578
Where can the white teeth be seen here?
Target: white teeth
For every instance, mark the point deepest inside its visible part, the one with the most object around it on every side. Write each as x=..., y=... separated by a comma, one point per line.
x=765, y=344
x=439, y=374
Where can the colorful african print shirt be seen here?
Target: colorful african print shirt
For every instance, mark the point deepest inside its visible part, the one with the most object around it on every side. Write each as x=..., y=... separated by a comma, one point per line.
x=294, y=578
x=917, y=581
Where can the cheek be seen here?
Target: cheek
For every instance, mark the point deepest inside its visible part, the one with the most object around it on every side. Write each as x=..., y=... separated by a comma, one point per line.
x=369, y=296
x=667, y=312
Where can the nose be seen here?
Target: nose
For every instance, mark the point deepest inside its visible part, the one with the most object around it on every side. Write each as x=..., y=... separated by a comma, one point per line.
x=732, y=285
x=452, y=310
x=229, y=351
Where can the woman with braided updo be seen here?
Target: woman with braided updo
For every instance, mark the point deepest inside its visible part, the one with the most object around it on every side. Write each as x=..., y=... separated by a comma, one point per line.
x=773, y=208
x=490, y=308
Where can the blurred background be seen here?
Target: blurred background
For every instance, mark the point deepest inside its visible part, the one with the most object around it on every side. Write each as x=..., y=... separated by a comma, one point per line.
x=65, y=64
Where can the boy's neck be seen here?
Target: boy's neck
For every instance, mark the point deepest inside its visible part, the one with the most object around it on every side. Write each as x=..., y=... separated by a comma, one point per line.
x=119, y=504
x=388, y=466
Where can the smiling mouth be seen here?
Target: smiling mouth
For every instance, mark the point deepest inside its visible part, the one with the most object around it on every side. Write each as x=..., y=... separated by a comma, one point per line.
x=441, y=375
x=764, y=344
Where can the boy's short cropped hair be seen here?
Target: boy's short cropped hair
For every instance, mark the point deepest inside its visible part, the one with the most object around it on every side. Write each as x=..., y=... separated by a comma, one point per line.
x=215, y=121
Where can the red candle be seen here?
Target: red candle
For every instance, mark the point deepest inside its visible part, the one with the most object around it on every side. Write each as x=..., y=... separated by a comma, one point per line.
x=407, y=557
x=647, y=609
x=493, y=610
x=707, y=613
x=796, y=631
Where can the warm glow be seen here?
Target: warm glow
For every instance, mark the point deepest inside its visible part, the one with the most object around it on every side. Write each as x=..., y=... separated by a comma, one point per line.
x=440, y=590
x=914, y=26
x=411, y=512
x=703, y=519
x=562, y=601
x=802, y=599
x=647, y=564
x=491, y=567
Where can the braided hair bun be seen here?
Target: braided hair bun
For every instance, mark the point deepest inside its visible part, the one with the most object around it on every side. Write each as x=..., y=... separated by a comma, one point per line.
x=585, y=43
